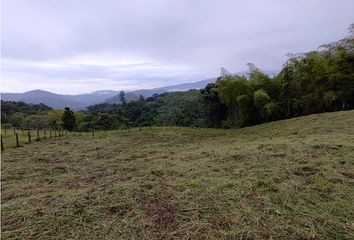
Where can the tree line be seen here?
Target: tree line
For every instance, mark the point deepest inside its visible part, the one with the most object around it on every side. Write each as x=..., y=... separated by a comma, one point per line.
x=312, y=82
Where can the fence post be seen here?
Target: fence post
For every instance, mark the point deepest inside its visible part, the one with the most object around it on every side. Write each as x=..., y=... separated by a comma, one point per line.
x=14, y=131
x=29, y=136
x=38, y=138
x=50, y=133
x=2, y=144
x=17, y=142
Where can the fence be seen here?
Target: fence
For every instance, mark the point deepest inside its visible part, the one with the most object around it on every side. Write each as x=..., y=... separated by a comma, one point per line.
x=11, y=138
x=17, y=138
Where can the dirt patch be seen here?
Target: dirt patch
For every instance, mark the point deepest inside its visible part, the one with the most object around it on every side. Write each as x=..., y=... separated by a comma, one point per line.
x=306, y=171
x=162, y=212
x=348, y=174
x=275, y=154
x=120, y=210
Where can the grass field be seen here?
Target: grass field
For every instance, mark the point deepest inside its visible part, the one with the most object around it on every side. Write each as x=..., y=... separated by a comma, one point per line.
x=291, y=179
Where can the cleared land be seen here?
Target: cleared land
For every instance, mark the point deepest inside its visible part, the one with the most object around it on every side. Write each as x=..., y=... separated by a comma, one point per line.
x=290, y=179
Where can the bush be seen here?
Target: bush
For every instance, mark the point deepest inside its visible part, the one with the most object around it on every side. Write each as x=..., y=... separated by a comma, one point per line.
x=85, y=126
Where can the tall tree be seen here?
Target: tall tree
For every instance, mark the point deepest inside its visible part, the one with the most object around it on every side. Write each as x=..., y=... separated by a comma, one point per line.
x=122, y=97
x=68, y=119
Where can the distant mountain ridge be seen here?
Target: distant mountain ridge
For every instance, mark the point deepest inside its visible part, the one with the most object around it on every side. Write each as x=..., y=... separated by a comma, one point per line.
x=60, y=101
x=81, y=101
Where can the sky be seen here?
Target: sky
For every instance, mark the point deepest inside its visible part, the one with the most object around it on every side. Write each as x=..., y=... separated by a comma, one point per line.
x=80, y=46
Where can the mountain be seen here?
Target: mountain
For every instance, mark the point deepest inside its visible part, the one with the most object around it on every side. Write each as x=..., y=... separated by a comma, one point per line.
x=173, y=88
x=81, y=101
x=60, y=101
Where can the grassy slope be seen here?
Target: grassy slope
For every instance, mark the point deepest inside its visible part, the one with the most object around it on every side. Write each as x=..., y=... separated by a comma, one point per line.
x=288, y=179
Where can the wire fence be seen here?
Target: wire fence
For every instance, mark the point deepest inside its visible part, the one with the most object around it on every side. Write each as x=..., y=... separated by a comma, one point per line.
x=12, y=138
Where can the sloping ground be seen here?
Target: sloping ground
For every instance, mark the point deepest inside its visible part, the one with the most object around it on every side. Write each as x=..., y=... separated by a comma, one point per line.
x=290, y=179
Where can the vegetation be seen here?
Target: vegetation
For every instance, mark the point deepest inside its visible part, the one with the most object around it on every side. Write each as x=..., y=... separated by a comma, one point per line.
x=15, y=113
x=290, y=179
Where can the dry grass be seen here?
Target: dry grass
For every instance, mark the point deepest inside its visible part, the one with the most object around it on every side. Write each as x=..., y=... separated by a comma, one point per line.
x=290, y=179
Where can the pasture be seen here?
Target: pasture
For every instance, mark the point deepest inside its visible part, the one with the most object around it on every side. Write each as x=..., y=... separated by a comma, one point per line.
x=290, y=179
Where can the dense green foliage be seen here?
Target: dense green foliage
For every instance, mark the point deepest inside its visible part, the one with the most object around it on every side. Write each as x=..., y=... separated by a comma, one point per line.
x=18, y=113
x=314, y=82
x=176, y=108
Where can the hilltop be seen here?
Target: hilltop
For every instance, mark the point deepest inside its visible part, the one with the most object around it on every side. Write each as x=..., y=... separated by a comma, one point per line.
x=288, y=179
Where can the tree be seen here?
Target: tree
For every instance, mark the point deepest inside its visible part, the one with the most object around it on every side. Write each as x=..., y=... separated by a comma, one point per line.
x=104, y=121
x=214, y=111
x=229, y=90
x=68, y=119
x=36, y=122
x=122, y=97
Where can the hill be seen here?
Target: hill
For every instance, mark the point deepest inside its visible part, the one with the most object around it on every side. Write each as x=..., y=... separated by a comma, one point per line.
x=290, y=179
x=59, y=101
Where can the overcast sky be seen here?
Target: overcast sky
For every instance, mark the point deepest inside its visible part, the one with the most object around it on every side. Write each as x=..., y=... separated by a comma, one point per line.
x=76, y=46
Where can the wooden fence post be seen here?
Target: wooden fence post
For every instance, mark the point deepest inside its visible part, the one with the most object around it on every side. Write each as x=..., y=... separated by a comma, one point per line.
x=14, y=131
x=17, y=142
x=29, y=136
x=2, y=144
x=38, y=138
